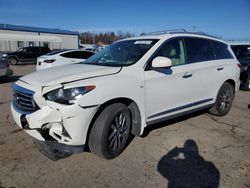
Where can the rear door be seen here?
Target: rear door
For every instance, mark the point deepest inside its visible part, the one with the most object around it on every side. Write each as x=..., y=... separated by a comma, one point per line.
x=29, y=54
x=209, y=60
x=25, y=55
x=200, y=55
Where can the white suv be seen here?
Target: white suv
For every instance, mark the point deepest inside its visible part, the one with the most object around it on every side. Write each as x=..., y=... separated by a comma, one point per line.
x=126, y=87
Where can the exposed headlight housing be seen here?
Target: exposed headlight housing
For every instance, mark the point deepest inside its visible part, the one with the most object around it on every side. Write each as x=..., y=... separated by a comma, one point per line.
x=4, y=55
x=67, y=96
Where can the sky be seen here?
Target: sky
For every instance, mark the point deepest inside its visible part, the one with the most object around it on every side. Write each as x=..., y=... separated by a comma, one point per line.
x=229, y=19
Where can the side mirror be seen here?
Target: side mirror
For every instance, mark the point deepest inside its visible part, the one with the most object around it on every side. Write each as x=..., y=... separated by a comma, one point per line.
x=161, y=62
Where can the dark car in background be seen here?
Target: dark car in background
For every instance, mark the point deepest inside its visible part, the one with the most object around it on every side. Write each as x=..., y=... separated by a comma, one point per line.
x=25, y=55
x=5, y=69
x=242, y=52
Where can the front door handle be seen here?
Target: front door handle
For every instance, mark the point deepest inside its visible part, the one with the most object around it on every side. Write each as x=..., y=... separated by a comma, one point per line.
x=220, y=68
x=187, y=75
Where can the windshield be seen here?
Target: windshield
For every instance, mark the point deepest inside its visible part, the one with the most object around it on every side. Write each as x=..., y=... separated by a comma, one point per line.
x=121, y=53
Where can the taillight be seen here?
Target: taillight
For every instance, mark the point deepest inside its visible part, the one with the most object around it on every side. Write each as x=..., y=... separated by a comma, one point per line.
x=49, y=60
x=242, y=67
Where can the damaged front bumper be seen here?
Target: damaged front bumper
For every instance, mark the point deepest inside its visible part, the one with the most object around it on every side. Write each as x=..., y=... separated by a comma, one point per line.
x=63, y=127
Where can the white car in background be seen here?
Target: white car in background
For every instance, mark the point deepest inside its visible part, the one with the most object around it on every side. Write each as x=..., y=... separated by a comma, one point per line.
x=62, y=57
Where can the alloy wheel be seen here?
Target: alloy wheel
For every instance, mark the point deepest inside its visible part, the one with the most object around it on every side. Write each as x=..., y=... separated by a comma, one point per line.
x=118, y=132
x=225, y=100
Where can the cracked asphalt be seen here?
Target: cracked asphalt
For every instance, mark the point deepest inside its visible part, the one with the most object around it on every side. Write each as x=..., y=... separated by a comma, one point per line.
x=198, y=150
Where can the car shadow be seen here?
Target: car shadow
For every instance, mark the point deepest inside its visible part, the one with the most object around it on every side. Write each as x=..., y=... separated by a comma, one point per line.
x=9, y=79
x=186, y=168
x=155, y=126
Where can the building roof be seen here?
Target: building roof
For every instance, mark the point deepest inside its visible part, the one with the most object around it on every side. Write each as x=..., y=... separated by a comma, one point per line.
x=22, y=37
x=239, y=42
x=36, y=29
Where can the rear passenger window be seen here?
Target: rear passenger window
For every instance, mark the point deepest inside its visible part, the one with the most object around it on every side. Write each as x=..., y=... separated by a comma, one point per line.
x=221, y=50
x=84, y=54
x=69, y=55
x=77, y=54
x=198, y=50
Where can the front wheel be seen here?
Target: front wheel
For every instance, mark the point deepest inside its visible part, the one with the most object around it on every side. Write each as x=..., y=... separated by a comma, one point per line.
x=223, y=101
x=110, y=132
x=13, y=60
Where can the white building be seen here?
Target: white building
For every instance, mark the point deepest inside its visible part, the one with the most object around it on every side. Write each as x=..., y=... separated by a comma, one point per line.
x=13, y=37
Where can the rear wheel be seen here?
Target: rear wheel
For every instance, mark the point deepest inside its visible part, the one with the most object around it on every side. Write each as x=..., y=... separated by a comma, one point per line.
x=223, y=101
x=13, y=60
x=110, y=132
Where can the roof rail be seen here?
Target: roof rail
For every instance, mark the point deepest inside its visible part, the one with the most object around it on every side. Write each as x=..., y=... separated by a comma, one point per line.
x=166, y=32
x=205, y=34
x=176, y=31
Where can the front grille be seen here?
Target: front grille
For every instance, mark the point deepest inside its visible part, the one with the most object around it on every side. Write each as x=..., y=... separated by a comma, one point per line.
x=23, y=100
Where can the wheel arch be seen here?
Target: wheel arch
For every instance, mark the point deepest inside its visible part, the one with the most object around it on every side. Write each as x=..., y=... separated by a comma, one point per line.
x=11, y=56
x=132, y=106
x=231, y=82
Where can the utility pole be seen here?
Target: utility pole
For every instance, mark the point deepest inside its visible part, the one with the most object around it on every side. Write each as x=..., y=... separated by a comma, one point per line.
x=93, y=34
x=194, y=28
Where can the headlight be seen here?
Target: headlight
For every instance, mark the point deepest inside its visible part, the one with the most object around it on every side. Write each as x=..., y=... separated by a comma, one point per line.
x=4, y=55
x=66, y=96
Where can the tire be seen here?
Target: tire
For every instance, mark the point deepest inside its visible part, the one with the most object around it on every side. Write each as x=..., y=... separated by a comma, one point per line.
x=110, y=132
x=13, y=60
x=223, y=101
x=52, y=154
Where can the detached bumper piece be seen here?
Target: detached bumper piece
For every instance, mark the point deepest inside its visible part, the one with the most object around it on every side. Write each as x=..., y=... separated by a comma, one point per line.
x=64, y=147
x=55, y=151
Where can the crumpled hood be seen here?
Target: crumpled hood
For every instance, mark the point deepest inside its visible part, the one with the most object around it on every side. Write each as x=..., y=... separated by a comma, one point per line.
x=67, y=73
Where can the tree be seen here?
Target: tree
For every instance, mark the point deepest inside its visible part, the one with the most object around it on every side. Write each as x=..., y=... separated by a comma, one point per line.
x=103, y=38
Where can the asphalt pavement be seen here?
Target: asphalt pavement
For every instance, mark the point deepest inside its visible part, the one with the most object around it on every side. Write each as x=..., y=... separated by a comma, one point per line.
x=198, y=150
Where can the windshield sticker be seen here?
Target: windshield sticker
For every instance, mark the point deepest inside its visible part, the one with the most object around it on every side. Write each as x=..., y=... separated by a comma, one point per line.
x=143, y=42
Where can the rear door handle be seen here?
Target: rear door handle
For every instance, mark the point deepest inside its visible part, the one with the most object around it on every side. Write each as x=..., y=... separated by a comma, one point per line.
x=187, y=75
x=220, y=68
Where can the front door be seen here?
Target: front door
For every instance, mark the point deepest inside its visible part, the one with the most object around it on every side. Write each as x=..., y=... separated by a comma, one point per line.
x=169, y=90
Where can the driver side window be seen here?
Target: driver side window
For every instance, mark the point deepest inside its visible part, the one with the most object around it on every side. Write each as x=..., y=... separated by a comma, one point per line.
x=173, y=50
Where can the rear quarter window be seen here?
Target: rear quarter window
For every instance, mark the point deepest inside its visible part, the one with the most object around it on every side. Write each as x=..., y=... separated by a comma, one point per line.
x=221, y=50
